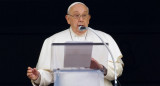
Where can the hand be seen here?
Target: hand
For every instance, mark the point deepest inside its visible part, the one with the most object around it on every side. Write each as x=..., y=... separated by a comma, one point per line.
x=95, y=64
x=32, y=73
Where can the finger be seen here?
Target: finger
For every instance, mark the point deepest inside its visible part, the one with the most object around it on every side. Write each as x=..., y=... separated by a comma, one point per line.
x=94, y=64
x=36, y=72
x=34, y=69
x=29, y=68
x=92, y=59
x=30, y=77
x=29, y=71
x=29, y=74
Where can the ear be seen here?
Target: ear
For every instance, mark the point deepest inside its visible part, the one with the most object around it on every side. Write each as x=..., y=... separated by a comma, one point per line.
x=67, y=18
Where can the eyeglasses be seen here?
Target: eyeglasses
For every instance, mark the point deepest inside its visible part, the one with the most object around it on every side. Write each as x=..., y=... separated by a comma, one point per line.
x=77, y=16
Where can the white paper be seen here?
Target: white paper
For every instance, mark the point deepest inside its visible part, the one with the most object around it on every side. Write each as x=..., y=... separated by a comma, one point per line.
x=77, y=56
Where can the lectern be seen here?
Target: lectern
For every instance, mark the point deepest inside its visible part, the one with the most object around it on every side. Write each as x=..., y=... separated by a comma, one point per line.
x=70, y=63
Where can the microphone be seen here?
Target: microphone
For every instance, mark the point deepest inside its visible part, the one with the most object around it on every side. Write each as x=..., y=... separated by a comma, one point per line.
x=82, y=28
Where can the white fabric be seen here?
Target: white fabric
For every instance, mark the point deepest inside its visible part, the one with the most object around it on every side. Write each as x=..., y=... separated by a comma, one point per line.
x=43, y=64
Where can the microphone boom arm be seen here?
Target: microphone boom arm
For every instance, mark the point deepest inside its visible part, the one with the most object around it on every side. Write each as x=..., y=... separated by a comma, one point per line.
x=81, y=28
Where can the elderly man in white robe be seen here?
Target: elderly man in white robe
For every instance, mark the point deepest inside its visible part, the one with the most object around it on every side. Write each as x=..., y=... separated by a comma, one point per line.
x=77, y=15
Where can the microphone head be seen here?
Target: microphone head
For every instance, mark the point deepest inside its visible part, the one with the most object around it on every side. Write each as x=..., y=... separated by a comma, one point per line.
x=82, y=28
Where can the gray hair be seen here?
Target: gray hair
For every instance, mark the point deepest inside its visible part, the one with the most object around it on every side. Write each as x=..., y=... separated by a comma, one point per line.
x=75, y=4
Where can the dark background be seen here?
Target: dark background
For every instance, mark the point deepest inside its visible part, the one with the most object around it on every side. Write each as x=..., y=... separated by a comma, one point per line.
x=134, y=24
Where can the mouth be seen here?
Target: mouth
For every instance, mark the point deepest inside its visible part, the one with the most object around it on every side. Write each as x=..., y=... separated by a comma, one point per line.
x=81, y=25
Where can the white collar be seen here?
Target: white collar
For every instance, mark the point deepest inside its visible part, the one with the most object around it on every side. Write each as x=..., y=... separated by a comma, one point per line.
x=75, y=35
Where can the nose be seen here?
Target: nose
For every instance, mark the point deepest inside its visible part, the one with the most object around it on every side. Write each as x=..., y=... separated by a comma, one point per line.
x=81, y=19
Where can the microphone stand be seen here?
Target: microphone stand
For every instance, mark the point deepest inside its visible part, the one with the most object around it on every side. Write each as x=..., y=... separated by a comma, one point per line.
x=81, y=28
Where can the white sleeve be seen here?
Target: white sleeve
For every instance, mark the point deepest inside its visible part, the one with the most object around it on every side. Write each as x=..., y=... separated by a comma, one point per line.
x=46, y=78
x=110, y=69
x=117, y=55
x=45, y=56
x=43, y=65
x=114, y=49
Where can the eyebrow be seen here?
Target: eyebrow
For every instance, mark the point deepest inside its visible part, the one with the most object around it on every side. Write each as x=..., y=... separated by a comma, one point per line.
x=77, y=11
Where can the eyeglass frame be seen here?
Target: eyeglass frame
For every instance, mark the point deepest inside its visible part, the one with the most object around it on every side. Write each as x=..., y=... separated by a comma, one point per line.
x=77, y=17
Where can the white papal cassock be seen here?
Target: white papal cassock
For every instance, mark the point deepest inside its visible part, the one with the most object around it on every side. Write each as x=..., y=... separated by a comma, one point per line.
x=44, y=67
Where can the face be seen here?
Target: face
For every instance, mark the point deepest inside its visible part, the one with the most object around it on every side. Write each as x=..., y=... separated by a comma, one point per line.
x=78, y=9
